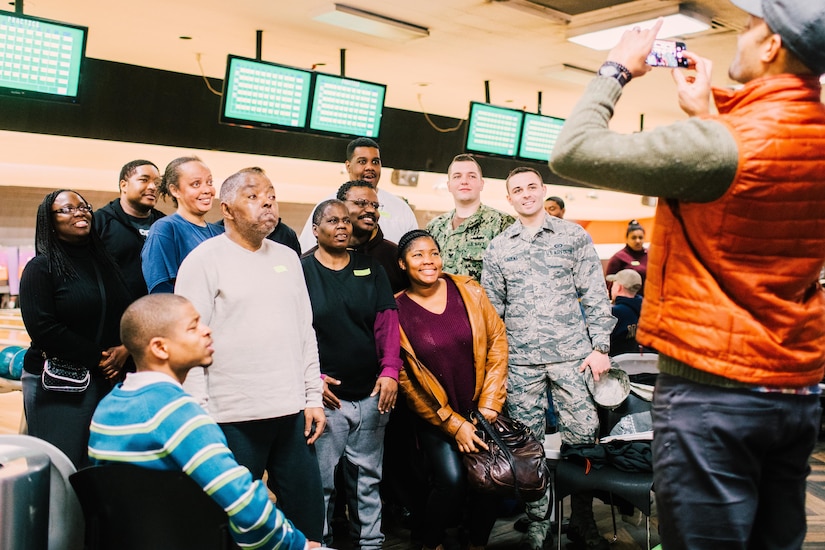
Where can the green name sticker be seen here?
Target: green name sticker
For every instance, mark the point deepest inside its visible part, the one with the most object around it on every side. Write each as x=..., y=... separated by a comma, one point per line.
x=361, y=272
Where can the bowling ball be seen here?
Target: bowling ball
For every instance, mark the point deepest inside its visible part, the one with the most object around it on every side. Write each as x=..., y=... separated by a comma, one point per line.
x=6, y=357
x=16, y=368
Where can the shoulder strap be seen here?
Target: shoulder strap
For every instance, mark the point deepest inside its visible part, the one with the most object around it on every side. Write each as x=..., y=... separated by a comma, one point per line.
x=505, y=450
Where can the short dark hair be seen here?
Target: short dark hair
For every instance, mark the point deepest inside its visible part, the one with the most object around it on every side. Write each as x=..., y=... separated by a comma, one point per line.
x=632, y=226
x=464, y=157
x=129, y=168
x=345, y=187
x=318, y=213
x=521, y=170
x=171, y=176
x=148, y=317
x=230, y=186
x=360, y=142
x=409, y=237
x=557, y=200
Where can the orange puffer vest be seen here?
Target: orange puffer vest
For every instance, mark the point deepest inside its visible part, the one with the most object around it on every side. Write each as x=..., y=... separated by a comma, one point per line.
x=732, y=284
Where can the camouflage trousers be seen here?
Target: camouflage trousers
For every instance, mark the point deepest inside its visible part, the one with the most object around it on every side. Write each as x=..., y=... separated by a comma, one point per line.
x=578, y=421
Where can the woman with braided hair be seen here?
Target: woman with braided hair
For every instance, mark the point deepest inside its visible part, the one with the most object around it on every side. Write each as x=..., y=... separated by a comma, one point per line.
x=71, y=297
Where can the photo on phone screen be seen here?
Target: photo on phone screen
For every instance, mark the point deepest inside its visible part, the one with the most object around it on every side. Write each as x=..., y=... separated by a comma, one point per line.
x=667, y=53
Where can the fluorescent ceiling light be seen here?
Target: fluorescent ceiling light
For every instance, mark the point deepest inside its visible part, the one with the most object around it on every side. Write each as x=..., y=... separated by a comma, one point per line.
x=568, y=73
x=367, y=22
x=606, y=34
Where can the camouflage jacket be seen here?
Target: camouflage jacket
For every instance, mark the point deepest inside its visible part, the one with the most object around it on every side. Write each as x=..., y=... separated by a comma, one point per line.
x=534, y=282
x=462, y=249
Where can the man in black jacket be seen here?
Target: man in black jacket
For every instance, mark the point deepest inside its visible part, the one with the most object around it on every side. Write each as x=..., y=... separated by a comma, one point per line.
x=124, y=223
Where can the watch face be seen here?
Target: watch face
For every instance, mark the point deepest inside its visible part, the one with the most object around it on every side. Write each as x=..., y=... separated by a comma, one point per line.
x=608, y=70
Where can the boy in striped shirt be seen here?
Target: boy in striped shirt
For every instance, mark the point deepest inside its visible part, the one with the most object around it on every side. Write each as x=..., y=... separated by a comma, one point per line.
x=150, y=421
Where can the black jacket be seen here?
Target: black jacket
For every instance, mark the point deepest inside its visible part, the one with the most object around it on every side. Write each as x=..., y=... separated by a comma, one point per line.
x=124, y=242
x=626, y=311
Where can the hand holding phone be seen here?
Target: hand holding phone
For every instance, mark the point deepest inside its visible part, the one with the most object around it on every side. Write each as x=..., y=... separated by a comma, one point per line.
x=667, y=53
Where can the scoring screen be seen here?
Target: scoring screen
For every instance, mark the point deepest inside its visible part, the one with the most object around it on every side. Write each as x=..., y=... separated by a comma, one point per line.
x=493, y=130
x=40, y=56
x=345, y=106
x=266, y=93
x=539, y=136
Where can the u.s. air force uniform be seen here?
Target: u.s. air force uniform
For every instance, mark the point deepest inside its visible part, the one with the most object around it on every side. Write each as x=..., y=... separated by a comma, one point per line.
x=534, y=278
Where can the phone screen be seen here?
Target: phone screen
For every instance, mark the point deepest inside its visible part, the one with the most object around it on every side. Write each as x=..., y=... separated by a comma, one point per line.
x=667, y=53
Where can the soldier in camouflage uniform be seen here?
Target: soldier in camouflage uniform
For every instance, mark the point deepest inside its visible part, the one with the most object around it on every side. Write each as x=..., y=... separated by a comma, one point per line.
x=534, y=273
x=465, y=232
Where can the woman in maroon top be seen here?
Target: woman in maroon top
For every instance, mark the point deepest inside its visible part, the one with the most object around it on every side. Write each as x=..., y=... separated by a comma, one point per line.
x=455, y=360
x=632, y=256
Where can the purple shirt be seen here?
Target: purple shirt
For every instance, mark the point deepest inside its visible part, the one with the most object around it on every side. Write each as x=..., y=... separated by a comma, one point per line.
x=443, y=342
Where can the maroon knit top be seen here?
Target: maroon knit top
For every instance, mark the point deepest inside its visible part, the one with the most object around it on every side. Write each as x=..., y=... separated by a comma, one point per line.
x=444, y=344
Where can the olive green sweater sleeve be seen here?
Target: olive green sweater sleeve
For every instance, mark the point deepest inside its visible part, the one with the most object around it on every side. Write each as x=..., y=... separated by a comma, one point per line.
x=692, y=160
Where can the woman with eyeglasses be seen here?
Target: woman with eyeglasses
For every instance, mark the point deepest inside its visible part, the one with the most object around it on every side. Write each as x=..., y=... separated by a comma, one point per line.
x=71, y=296
x=189, y=182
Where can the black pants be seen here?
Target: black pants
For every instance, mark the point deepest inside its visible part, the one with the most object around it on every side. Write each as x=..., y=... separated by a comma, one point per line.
x=278, y=446
x=730, y=465
x=449, y=495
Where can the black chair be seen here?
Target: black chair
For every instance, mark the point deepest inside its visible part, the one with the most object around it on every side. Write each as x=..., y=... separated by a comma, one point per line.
x=629, y=487
x=132, y=508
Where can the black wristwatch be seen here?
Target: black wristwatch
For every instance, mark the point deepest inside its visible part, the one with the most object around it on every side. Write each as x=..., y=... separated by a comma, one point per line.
x=617, y=71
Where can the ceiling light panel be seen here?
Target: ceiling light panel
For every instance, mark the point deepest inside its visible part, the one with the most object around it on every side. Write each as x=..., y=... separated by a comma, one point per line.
x=374, y=24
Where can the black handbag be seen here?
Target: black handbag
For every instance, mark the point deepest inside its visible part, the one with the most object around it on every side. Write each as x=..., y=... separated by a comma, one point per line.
x=514, y=465
x=64, y=376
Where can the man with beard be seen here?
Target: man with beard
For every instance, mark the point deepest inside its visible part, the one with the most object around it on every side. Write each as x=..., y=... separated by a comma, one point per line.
x=367, y=236
x=264, y=388
x=124, y=223
x=364, y=163
x=732, y=299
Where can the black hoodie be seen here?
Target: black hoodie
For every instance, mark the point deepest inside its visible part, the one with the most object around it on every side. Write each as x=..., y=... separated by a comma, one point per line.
x=124, y=242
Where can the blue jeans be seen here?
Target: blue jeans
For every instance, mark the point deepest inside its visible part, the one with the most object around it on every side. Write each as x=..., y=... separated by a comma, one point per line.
x=354, y=432
x=60, y=418
x=730, y=465
x=278, y=446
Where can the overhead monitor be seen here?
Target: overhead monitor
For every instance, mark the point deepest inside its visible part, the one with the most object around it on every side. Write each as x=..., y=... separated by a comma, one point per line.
x=265, y=95
x=493, y=130
x=539, y=136
x=39, y=58
x=346, y=107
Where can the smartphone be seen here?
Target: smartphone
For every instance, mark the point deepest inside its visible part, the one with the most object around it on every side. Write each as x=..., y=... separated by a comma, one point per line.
x=667, y=53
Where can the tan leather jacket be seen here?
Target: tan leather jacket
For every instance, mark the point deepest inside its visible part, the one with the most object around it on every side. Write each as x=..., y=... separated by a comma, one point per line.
x=427, y=398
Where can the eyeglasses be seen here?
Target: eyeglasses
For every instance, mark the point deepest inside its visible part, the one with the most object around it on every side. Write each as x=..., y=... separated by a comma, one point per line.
x=361, y=203
x=72, y=210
